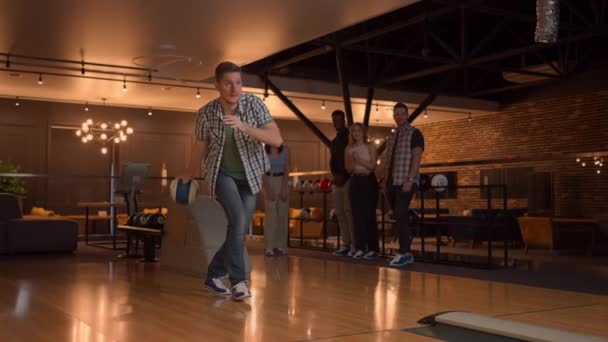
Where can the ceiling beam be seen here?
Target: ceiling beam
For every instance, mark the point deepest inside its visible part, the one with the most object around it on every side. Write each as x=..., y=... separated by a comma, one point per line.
x=369, y=35
x=344, y=86
x=491, y=58
x=315, y=130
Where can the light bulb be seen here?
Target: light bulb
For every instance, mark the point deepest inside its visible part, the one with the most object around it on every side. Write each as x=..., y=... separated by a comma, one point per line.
x=584, y=164
x=90, y=136
x=378, y=162
x=78, y=133
x=124, y=123
x=323, y=105
x=85, y=129
x=149, y=113
x=377, y=141
x=392, y=130
x=104, y=150
x=103, y=136
x=117, y=140
x=121, y=133
x=89, y=122
x=123, y=137
x=85, y=126
x=40, y=81
x=103, y=125
x=578, y=160
x=198, y=93
x=598, y=172
x=85, y=140
x=117, y=125
x=129, y=130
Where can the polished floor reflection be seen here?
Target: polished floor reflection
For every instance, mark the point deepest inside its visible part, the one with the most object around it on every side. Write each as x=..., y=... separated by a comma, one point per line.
x=93, y=297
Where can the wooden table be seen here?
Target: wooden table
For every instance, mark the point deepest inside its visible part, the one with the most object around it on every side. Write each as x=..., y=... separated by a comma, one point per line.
x=104, y=204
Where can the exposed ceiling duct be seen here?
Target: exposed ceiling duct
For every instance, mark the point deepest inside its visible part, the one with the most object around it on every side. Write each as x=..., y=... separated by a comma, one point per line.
x=547, y=21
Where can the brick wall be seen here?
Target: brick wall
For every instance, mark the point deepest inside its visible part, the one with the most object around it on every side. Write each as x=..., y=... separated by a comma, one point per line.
x=546, y=134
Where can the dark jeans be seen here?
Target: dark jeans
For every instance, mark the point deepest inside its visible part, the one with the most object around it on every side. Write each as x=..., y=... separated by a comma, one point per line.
x=400, y=204
x=363, y=201
x=239, y=203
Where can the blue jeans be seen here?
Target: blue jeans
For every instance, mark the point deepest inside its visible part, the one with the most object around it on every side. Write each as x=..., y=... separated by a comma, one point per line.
x=239, y=203
x=400, y=203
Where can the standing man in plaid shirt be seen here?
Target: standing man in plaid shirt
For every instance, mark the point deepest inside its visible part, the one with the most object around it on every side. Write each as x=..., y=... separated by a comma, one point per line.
x=403, y=155
x=231, y=130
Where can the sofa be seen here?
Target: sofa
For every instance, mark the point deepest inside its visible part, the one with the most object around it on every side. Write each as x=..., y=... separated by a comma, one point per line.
x=33, y=234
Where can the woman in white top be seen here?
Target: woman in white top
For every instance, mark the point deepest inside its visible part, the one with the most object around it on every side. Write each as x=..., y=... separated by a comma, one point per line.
x=360, y=160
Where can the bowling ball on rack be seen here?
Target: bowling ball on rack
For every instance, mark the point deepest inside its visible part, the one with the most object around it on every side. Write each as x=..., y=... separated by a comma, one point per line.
x=315, y=186
x=300, y=185
x=325, y=185
x=307, y=186
x=156, y=221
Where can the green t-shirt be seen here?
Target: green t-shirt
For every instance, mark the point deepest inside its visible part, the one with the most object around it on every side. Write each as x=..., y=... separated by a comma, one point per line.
x=231, y=158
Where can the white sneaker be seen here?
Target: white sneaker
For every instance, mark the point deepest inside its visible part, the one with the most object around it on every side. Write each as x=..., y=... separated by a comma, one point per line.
x=341, y=252
x=402, y=260
x=240, y=291
x=216, y=286
x=351, y=253
x=359, y=254
x=371, y=255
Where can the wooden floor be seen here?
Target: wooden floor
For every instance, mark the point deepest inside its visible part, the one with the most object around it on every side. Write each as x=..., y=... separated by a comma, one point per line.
x=91, y=297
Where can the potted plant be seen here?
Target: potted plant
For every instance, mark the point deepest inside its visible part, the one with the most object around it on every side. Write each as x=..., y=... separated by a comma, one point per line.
x=12, y=185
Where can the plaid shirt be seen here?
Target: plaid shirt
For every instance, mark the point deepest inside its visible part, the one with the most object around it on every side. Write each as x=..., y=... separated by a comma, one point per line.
x=210, y=128
x=402, y=156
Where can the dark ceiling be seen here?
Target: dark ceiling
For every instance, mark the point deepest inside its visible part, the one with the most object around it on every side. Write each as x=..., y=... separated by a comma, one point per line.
x=451, y=47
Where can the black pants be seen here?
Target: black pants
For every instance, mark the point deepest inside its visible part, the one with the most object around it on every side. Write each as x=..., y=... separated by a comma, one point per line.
x=363, y=201
x=400, y=204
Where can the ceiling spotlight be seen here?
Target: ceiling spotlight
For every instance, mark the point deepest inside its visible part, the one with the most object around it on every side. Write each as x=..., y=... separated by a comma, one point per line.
x=82, y=72
x=323, y=105
x=426, y=115
x=40, y=81
x=470, y=118
x=104, y=150
x=198, y=93
x=17, y=101
x=86, y=106
x=124, y=85
x=149, y=112
x=377, y=108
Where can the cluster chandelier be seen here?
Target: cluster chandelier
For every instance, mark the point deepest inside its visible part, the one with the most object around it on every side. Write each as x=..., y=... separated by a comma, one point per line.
x=104, y=132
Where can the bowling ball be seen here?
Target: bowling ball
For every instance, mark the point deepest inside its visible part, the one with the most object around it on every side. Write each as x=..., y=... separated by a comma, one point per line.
x=300, y=186
x=131, y=220
x=307, y=186
x=305, y=214
x=156, y=221
x=184, y=193
x=315, y=185
x=325, y=185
